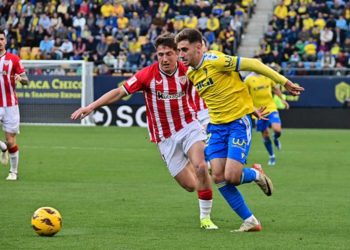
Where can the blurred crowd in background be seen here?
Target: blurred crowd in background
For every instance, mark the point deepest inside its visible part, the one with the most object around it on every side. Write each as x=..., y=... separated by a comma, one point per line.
x=117, y=36
x=308, y=37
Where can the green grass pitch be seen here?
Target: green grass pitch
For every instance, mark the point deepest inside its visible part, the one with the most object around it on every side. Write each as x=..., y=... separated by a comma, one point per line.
x=114, y=192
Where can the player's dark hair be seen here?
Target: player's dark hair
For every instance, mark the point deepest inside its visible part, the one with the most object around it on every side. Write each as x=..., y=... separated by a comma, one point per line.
x=166, y=39
x=2, y=32
x=191, y=35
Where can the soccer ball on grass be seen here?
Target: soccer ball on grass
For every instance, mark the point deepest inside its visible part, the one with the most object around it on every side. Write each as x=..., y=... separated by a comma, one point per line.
x=46, y=221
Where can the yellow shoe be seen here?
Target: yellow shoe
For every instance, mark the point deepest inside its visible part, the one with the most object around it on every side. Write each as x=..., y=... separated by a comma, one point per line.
x=207, y=224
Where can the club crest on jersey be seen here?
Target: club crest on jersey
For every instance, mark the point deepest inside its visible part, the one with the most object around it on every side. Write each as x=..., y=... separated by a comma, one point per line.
x=208, y=56
x=4, y=73
x=183, y=79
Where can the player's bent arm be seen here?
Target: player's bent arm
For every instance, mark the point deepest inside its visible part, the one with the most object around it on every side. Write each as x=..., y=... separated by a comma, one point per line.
x=110, y=97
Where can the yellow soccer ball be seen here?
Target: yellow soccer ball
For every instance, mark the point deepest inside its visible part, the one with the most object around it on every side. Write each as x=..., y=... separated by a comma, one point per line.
x=46, y=221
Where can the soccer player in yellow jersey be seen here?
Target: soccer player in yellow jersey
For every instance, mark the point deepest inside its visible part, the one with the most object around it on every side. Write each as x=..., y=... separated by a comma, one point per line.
x=217, y=80
x=261, y=88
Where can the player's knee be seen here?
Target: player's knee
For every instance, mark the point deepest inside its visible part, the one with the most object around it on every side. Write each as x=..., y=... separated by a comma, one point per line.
x=233, y=177
x=201, y=169
x=277, y=134
x=218, y=177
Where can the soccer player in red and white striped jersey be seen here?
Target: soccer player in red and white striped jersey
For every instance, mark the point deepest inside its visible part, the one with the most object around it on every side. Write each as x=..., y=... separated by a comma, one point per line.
x=171, y=121
x=11, y=71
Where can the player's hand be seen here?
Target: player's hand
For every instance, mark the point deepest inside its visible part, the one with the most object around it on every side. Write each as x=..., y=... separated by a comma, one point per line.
x=293, y=88
x=286, y=104
x=18, y=78
x=81, y=113
x=261, y=113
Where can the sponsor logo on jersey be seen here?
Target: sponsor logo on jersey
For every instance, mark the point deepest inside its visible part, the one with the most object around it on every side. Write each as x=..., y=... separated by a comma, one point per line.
x=159, y=82
x=204, y=84
x=167, y=96
x=6, y=62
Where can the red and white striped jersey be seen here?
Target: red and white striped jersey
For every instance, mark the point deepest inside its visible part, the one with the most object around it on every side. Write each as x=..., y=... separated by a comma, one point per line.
x=10, y=65
x=198, y=101
x=168, y=104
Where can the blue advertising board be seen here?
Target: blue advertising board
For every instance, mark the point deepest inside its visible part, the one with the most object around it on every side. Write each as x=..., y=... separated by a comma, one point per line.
x=321, y=92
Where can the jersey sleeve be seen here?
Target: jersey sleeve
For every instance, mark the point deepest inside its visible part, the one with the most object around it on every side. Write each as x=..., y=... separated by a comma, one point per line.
x=136, y=82
x=224, y=62
x=17, y=65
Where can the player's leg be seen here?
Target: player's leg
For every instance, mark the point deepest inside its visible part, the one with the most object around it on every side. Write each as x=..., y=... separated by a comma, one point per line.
x=268, y=145
x=276, y=126
x=216, y=152
x=238, y=150
x=263, y=127
x=178, y=164
x=14, y=156
x=11, y=128
x=3, y=145
x=236, y=173
x=193, y=146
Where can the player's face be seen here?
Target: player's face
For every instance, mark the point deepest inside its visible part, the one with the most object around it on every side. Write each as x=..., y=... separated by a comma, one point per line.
x=2, y=42
x=190, y=53
x=167, y=58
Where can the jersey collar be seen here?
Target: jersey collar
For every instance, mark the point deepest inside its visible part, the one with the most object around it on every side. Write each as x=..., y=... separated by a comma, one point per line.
x=200, y=62
x=161, y=71
x=3, y=54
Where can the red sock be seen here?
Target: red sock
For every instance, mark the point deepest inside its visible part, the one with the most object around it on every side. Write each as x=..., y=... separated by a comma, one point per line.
x=206, y=194
x=13, y=149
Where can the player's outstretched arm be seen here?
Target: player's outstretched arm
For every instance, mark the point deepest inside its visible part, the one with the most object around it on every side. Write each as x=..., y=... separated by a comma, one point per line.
x=110, y=97
x=251, y=64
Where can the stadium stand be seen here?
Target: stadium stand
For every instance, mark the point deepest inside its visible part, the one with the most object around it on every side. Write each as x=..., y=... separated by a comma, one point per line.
x=307, y=37
x=116, y=35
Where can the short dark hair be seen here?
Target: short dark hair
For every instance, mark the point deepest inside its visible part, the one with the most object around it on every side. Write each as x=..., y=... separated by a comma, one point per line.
x=191, y=35
x=166, y=39
x=2, y=32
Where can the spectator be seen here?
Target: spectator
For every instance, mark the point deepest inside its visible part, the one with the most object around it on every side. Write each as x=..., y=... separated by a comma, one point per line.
x=202, y=22
x=80, y=46
x=67, y=49
x=326, y=36
x=327, y=62
x=107, y=9
x=191, y=21
x=109, y=59
x=310, y=50
x=135, y=23
x=102, y=47
x=46, y=46
x=213, y=24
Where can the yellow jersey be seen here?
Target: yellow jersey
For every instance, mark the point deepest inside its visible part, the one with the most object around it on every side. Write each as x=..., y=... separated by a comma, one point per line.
x=219, y=84
x=260, y=88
